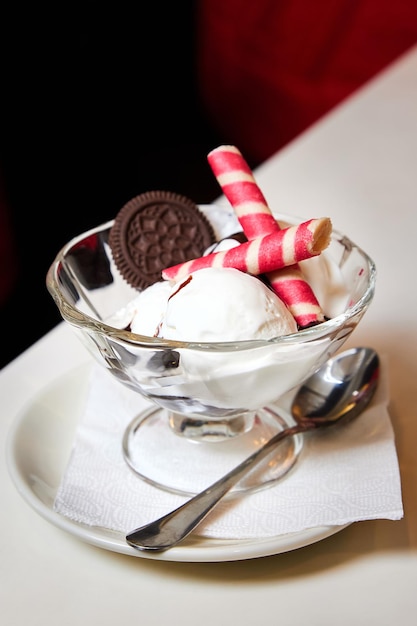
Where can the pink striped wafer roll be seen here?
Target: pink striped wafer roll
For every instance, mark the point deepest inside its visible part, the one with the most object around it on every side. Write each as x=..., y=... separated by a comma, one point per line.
x=264, y=254
x=290, y=285
x=240, y=188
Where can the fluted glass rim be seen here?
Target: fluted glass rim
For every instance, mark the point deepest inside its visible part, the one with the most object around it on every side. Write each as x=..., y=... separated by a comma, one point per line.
x=82, y=320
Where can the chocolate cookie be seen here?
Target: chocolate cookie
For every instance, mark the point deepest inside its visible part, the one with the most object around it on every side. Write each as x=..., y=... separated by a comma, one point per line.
x=155, y=230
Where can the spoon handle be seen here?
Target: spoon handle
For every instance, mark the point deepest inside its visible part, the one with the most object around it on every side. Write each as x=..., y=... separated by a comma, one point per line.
x=172, y=528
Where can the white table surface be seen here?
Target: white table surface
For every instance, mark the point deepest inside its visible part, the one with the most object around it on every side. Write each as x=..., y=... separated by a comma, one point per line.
x=359, y=167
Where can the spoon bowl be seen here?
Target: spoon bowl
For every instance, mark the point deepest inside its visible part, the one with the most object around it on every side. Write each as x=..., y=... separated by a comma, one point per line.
x=337, y=392
x=340, y=389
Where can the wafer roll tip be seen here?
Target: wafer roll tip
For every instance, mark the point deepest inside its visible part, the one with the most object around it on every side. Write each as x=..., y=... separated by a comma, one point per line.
x=322, y=231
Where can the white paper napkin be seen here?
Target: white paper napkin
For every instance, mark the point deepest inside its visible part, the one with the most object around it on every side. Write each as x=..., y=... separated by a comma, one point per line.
x=348, y=475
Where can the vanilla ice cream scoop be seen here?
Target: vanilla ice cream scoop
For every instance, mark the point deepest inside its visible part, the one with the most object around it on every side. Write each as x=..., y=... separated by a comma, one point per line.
x=224, y=304
x=143, y=314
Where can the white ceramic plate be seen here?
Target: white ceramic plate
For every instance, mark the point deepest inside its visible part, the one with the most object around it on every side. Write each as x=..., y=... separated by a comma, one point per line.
x=38, y=449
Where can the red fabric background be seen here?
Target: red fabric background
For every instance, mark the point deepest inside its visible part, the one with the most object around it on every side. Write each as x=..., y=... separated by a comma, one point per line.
x=268, y=69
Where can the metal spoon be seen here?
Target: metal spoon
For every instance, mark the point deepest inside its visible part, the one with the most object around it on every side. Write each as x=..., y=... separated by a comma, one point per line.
x=338, y=391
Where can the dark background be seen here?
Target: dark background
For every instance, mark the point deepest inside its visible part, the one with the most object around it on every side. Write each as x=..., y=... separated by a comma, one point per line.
x=99, y=103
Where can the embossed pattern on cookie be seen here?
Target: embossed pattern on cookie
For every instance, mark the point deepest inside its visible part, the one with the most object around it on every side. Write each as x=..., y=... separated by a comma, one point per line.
x=155, y=230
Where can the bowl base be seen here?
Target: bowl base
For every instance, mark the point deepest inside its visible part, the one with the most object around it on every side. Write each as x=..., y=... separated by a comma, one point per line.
x=179, y=465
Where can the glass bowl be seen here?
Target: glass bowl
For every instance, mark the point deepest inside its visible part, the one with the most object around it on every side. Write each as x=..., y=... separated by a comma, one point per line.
x=210, y=401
